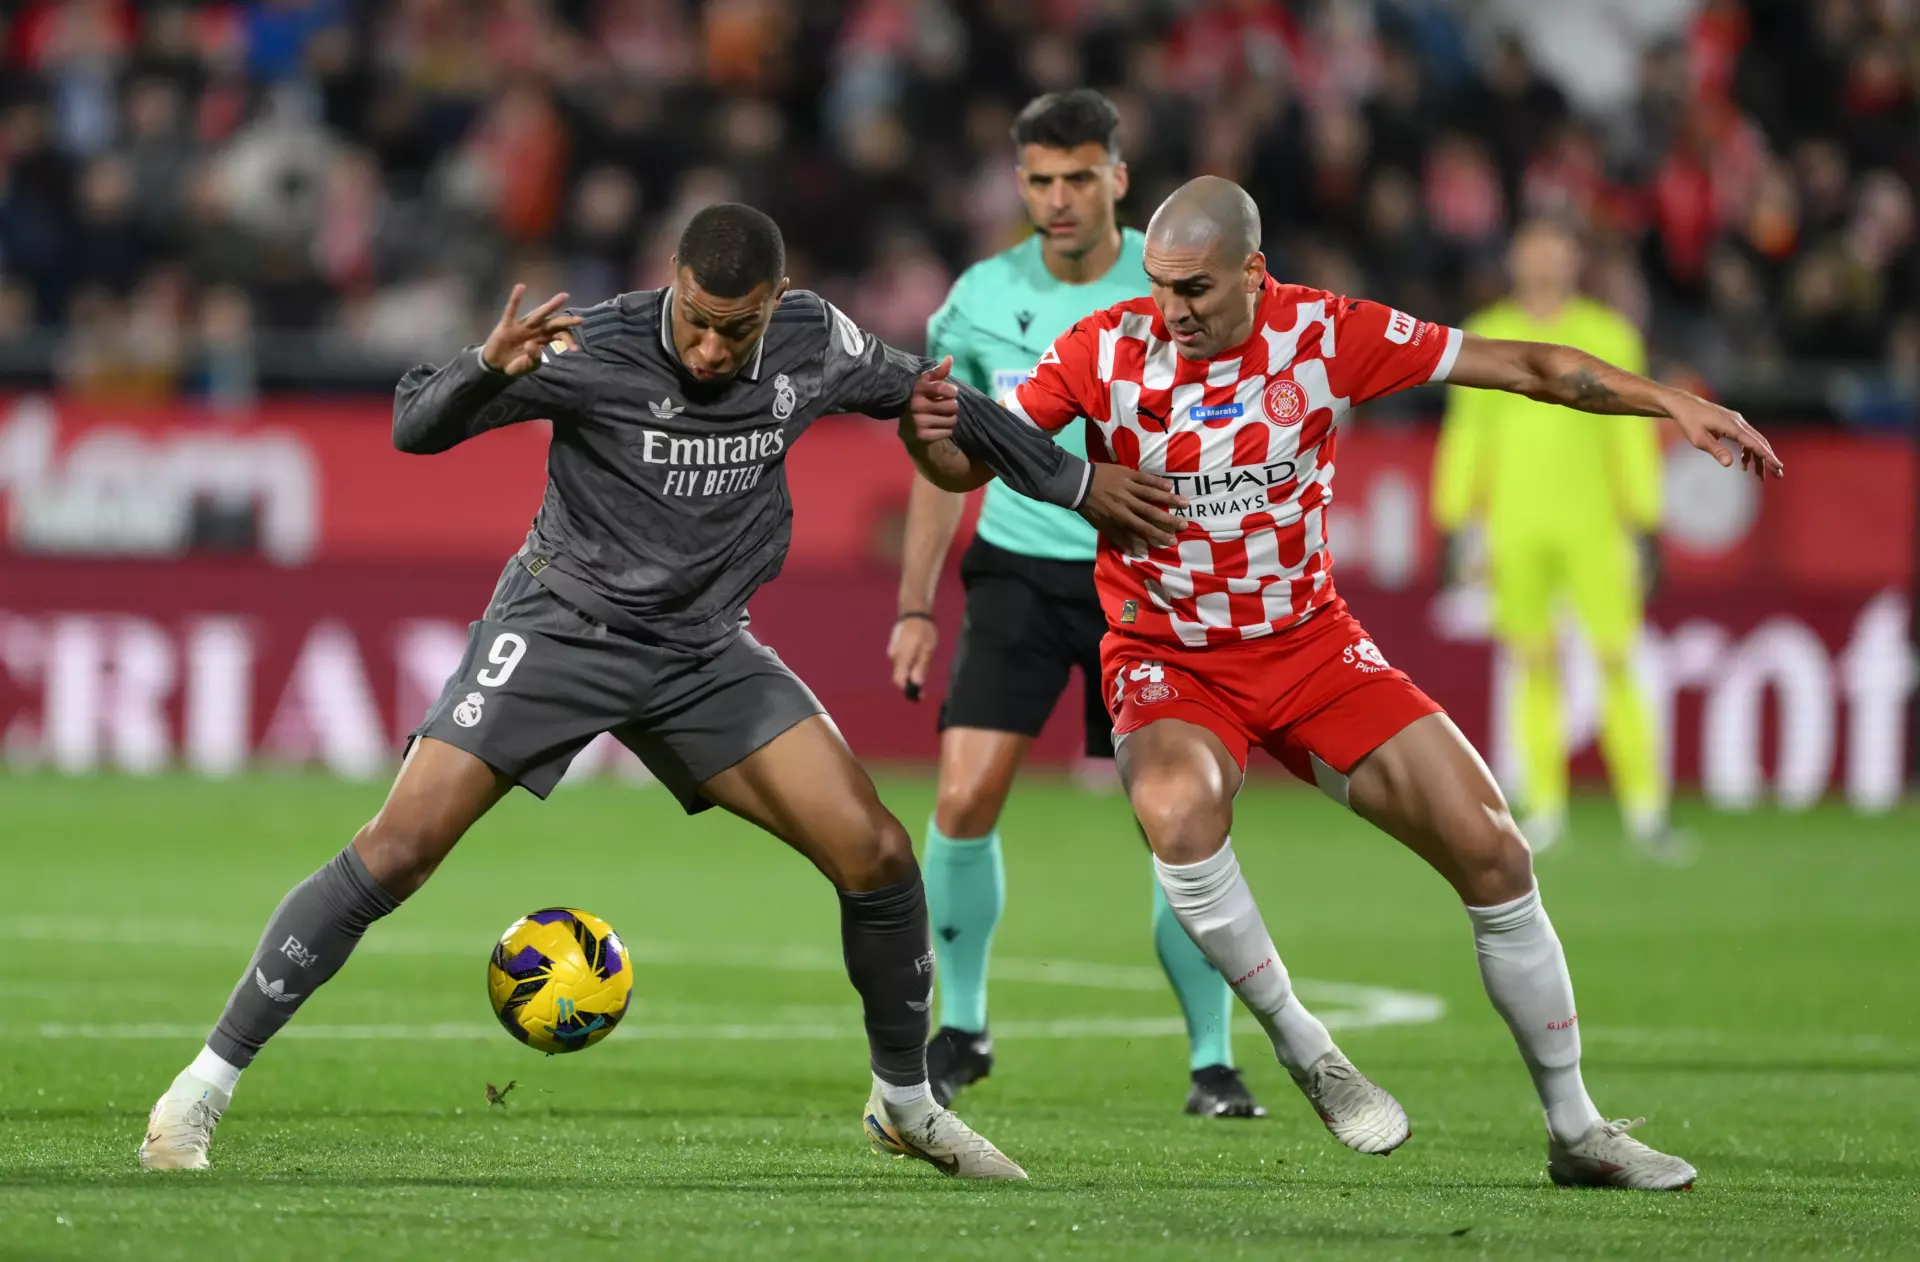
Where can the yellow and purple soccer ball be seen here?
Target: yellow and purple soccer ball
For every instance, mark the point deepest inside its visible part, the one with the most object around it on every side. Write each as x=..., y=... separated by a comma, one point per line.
x=560, y=979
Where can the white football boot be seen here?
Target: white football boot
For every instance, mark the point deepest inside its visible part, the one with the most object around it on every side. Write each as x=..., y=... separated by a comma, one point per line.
x=936, y=1136
x=1359, y=1113
x=1607, y=1157
x=180, y=1128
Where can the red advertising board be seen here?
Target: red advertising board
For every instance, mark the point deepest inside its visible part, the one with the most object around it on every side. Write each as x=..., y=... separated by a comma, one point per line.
x=1778, y=650
x=213, y=664
x=79, y=479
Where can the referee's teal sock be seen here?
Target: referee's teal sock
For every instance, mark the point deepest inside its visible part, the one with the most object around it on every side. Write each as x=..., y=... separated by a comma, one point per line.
x=1205, y=998
x=966, y=891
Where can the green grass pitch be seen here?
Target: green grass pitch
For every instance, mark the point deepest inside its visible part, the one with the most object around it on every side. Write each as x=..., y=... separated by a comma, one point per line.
x=1758, y=1008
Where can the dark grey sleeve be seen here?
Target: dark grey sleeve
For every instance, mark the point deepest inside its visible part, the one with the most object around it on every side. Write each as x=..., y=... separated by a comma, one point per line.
x=437, y=408
x=864, y=374
x=1025, y=458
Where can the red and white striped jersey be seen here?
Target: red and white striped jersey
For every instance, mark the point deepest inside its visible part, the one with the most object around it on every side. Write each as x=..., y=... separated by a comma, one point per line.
x=1247, y=437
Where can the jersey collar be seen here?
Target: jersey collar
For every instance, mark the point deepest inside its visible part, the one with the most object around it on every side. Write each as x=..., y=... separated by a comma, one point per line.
x=750, y=373
x=1262, y=310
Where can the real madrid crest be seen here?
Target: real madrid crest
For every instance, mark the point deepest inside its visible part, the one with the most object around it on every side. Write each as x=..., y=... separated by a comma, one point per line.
x=467, y=713
x=783, y=397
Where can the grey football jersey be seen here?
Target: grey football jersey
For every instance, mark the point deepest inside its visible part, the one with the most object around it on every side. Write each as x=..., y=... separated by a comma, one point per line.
x=666, y=502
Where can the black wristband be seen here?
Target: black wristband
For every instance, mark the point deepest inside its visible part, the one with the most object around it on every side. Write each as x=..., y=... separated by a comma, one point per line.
x=912, y=613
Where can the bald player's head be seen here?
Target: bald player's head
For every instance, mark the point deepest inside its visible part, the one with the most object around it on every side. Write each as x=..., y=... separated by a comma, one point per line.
x=1204, y=261
x=1207, y=212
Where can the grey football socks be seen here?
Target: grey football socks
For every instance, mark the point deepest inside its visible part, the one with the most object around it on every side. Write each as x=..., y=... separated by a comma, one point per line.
x=889, y=956
x=311, y=933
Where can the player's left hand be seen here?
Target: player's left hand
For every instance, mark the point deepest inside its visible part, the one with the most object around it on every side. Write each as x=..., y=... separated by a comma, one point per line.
x=934, y=406
x=910, y=651
x=513, y=347
x=1132, y=508
x=1706, y=425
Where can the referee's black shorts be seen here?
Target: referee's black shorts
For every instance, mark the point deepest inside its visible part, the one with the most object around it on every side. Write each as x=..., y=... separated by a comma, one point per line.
x=1029, y=622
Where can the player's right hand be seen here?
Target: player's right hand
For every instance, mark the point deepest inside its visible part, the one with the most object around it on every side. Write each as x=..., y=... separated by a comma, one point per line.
x=933, y=409
x=1130, y=507
x=514, y=345
x=910, y=649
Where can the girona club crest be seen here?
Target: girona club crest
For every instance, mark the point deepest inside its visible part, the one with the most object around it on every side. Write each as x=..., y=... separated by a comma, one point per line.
x=1152, y=678
x=1286, y=402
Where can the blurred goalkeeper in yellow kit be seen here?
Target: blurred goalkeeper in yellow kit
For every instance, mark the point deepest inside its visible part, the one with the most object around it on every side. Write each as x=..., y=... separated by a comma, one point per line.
x=1569, y=504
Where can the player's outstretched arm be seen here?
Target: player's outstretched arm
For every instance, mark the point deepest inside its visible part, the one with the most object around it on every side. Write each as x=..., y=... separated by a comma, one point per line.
x=926, y=430
x=489, y=386
x=959, y=438
x=1575, y=379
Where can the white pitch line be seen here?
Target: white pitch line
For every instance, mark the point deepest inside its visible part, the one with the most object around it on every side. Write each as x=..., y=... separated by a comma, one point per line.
x=1341, y=1005
x=401, y=941
x=1770, y=1043
x=717, y=1032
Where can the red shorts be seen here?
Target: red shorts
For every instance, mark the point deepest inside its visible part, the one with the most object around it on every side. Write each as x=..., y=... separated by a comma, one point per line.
x=1319, y=690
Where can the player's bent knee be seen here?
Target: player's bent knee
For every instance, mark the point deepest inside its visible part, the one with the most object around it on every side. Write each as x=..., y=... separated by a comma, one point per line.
x=1184, y=819
x=1495, y=865
x=401, y=854
x=881, y=855
x=968, y=809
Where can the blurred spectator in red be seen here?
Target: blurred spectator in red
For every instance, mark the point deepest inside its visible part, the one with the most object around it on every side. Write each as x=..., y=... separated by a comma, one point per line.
x=1216, y=46
x=1705, y=185
x=334, y=164
x=746, y=43
x=647, y=41
x=519, y=152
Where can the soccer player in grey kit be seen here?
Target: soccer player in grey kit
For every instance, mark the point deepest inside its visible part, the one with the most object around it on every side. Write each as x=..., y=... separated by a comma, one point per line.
x=625, y=612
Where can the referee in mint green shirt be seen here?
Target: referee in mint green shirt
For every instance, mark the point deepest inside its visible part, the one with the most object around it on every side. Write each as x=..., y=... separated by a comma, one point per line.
x=1032, y=614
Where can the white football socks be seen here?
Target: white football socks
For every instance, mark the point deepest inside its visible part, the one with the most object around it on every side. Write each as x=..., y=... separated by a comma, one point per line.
x=1525, y=973
x=903, y=1095
x=1214, y=905
x=210, y=1067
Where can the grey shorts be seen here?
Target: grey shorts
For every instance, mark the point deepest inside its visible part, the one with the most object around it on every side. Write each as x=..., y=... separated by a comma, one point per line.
x=540, y=680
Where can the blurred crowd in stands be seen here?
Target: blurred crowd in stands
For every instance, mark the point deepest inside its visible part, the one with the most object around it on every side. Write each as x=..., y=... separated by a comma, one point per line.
x=213, y=198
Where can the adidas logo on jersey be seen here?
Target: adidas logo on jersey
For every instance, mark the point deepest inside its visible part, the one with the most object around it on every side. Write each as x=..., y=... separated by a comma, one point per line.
x=666, y=409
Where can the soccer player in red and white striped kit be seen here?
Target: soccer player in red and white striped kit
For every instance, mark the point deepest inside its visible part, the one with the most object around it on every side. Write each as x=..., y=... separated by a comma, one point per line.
x=1226, y=632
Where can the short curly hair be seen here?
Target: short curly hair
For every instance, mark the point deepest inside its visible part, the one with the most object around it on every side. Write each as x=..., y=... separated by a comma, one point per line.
x=731, y=249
